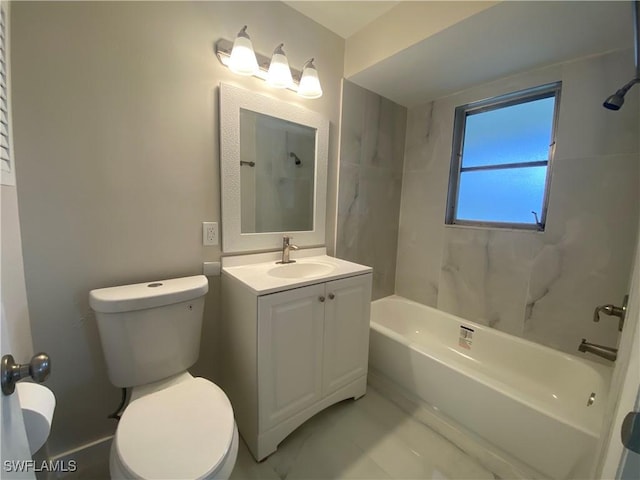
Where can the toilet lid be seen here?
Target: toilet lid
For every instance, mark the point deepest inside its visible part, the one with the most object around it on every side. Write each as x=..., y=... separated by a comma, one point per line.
x=183, y=431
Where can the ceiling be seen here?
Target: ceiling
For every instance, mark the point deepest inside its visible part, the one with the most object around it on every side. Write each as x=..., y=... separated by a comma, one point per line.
x=343, y=17
x=508, y=38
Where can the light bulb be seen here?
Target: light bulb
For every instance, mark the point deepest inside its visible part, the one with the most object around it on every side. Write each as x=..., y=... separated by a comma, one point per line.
x=309, y=82
x=243, y=58
x=279, y=75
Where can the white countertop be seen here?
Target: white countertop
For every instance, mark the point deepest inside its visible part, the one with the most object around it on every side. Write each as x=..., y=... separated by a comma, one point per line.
x=252, y=270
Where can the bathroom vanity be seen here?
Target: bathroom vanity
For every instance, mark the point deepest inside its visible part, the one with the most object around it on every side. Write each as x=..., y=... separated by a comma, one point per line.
x=294, y=339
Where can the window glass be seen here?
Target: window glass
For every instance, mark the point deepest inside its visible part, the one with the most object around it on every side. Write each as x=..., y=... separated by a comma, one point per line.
x=500, y=159
x=506, y=195
x=519, y=133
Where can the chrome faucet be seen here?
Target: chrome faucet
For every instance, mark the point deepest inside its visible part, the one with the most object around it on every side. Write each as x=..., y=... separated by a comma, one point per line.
x=609, y=353
x=612, y=310
x=287, y=246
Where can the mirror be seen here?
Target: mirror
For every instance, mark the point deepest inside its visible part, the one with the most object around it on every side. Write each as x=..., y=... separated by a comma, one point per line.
x=277, y=160
x=273, y=172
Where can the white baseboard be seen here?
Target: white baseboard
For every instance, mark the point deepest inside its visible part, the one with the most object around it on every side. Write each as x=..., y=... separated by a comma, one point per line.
x=86, y=455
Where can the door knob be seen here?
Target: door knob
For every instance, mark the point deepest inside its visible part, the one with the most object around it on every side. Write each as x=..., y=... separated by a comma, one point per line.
x=331, y=296
x=321, y=298
x=630, y=432
x=38, y=369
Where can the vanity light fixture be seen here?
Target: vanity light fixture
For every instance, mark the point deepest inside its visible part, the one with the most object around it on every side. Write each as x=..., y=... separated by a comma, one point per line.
x=279, y=75
x=309, y=83
x=243, y=59
x=305, y=83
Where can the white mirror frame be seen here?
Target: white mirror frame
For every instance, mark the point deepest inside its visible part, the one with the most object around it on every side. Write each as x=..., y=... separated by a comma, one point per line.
x=232, y=99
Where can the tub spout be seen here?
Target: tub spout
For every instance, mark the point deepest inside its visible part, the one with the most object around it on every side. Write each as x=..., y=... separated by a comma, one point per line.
x=609, y=353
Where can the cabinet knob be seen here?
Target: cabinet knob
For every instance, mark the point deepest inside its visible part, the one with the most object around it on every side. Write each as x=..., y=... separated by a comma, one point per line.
x=331, y=296
x=321, y=298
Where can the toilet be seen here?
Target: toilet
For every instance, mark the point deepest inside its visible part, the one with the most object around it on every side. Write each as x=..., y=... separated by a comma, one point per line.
x=175, y=426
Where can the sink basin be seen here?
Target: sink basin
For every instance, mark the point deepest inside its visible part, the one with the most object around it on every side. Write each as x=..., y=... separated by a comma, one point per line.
x=301, y=270
x=263, y=275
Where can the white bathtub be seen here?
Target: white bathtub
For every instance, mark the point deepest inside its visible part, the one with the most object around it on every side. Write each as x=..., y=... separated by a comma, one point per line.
x=527, y=400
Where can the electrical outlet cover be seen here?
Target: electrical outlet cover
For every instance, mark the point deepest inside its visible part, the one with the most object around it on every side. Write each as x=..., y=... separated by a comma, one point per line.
x=209, y=233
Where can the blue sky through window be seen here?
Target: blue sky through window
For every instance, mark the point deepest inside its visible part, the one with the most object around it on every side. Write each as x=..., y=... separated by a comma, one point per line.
x=508, y=195
x=515, y=134
x=508, y=135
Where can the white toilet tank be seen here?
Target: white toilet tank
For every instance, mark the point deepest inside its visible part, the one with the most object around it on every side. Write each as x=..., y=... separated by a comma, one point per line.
x=150, y=331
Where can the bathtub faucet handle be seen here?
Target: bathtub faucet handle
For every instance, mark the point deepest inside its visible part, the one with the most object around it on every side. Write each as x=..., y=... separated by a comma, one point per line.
x=613, y=311
x=608, y=309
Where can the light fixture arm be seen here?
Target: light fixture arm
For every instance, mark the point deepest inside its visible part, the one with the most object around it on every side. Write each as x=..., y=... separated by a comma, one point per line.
x=243, y=32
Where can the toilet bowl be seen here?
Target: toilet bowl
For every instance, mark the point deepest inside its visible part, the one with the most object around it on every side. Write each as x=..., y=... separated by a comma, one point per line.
x=184, y=430
x=175, y=426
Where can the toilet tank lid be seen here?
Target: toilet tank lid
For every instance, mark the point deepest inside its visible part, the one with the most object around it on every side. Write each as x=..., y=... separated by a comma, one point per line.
x=139, y=296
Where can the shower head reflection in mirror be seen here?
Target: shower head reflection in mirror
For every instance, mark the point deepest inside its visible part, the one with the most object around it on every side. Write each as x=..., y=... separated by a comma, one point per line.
x=277, y=195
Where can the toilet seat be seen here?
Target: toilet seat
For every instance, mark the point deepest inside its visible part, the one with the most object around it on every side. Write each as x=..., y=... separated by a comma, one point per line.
x=183, y=431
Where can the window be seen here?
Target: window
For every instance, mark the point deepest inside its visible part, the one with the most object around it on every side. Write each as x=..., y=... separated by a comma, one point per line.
x=501, y=158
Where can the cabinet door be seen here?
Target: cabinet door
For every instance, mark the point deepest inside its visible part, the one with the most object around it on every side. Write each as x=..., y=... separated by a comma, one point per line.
x=346, y=331
x=290, y=328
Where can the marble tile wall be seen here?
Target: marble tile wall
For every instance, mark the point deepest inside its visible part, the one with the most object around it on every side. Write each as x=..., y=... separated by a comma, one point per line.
x=541, y=286
x=371, y=158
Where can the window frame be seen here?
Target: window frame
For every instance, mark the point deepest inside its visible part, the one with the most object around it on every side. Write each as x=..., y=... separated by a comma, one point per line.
x=459, y=126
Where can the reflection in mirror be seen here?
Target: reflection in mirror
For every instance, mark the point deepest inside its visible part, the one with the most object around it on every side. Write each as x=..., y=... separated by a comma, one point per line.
x=277, y=164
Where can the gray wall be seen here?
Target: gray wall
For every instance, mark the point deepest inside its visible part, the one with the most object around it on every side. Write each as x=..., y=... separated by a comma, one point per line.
x=541, y=286
x=372, y=136
x=116, y=140
x=12, y=284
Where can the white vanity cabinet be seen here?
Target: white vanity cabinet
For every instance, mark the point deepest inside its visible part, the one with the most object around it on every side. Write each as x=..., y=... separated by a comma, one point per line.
x=311, y=342
x=290, y=353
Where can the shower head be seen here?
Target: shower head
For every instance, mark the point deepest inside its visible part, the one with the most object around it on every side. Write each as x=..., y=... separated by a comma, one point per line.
x=298, y=161
x=615, y=101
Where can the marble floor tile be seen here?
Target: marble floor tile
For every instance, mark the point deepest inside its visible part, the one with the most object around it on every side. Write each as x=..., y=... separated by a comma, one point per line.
x=370, y=438
x=247, y=468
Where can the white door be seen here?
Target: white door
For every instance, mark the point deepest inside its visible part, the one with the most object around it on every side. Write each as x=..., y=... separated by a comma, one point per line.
x=346, y=331
x=15, y=448
x=290, y=327
x=615, y=459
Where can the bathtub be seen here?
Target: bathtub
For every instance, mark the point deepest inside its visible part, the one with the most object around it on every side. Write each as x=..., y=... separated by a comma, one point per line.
x=541, y=406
